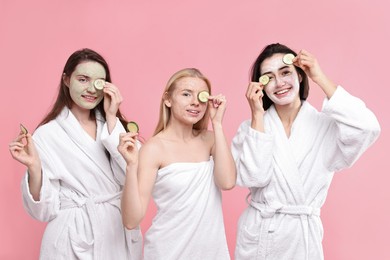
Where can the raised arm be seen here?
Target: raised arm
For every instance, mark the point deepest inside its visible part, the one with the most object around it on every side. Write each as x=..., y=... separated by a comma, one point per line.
x=112, y=101
x=40, y=189
x=111, y=142
x=27, y=154
x=140, y=178
x=253, y=154
x=353, y=129
x=309, y=64
x=224, y=168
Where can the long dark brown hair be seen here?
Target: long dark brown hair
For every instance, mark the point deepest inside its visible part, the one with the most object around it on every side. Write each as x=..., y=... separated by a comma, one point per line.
x=267, y=52
x=64, y=98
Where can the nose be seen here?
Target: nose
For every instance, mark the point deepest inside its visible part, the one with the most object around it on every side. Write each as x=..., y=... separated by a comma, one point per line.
x=91, y=88
x=195, y=100
x=279, y=81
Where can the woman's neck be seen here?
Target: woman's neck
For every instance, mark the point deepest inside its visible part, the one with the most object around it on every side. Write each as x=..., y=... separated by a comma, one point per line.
x=287, y=114
x=175, y=130
x=82, y=115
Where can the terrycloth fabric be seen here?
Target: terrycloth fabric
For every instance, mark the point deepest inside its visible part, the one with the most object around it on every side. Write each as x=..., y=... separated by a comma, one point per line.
x=80, y=194
x=289, y=178
x=189, y=222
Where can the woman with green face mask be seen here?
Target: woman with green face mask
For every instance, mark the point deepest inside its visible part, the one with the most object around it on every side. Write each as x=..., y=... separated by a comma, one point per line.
x=74, y=171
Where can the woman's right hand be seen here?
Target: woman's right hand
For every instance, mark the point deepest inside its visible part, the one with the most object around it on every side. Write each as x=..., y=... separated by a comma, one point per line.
x=128, y=147
x=254, y=95
x=27, y=153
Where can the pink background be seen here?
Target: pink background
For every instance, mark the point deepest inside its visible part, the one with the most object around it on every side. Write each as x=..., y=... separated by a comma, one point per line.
x=146, y=41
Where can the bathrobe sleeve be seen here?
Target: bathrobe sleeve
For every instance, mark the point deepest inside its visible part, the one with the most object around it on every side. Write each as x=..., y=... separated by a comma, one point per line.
x=352, y=130
x=252, y=152
x=49, y=204
x=111, y=142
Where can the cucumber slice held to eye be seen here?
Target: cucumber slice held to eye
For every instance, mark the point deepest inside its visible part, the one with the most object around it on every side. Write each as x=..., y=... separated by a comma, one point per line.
x=99, y=84
x=132, y=127
x=264, y=80
x=288, y=58
x=23, y=129
x=203, y=96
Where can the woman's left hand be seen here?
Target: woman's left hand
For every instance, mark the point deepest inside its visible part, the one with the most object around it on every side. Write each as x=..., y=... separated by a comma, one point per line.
x=309, y=64
x=112, y=99
x=217, y=107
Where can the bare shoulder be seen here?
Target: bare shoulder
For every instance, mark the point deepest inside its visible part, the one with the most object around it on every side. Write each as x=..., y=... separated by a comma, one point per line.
x=150, y=151
x=152, y=146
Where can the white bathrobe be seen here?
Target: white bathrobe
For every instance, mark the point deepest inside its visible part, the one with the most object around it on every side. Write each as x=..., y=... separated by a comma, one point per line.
x=189, y=222
x=82, y=181
x=289, y=178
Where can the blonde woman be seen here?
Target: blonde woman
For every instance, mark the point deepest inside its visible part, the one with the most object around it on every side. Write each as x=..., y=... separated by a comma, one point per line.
x=184, y=167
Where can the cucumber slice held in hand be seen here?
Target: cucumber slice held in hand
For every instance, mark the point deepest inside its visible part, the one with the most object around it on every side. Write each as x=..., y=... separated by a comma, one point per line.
x=264, y=80
x=23, y=129
x=132, y=127
x=203, y=96
x=288, y=58
x=99, y=84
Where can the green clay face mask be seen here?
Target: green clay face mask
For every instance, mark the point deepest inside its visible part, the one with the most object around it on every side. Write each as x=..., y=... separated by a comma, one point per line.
x=81, y=84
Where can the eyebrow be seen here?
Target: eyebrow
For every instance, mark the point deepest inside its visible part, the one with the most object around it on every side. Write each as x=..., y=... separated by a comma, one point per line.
x=88, y=77
x=281, y=68
x=82, y=75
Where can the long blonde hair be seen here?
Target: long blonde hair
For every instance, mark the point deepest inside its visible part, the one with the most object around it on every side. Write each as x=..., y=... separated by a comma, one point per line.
x=165, y=112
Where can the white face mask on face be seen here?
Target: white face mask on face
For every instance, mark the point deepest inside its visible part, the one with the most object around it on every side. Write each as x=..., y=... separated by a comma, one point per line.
x=283, y=87
x=81, y=87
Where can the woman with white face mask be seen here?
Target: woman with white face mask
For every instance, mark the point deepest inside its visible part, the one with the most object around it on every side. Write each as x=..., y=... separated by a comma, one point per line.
x=183, y=166
x=74, y=171
x=288, y=152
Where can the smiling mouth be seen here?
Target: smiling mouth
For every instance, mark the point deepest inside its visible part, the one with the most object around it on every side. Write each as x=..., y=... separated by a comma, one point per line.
x=89, y=98
x=193, y=112
x=283, y=91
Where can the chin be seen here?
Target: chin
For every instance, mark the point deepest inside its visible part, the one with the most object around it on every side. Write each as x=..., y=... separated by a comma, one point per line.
x=284, y=101
x=89, y=107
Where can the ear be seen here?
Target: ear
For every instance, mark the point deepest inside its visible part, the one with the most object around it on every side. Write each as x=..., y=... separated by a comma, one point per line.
x=167, y=102
x=65, y=79
x=300, y=78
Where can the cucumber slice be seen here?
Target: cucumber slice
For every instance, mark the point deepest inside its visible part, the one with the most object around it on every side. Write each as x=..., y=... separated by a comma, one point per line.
x=203, y=96
x=264, y=80
x=23, y=129
x=99, y=84
x=132, y=127
x=288, y=58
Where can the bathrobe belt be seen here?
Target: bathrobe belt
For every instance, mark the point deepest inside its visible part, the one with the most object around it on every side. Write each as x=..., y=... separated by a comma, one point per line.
x=268, y=212
x=304, y=212
x=90, y=205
